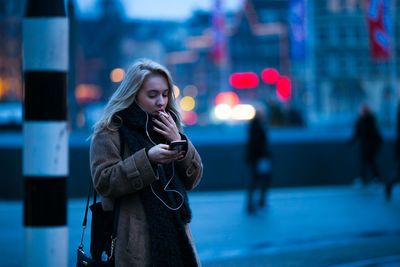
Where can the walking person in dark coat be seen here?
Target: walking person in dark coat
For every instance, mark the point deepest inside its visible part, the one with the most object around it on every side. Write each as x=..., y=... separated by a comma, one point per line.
x=258, y=157
x=396, y=177
x=370, y=139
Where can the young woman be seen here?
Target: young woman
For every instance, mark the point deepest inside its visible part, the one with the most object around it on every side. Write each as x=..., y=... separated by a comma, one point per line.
x=151, y=178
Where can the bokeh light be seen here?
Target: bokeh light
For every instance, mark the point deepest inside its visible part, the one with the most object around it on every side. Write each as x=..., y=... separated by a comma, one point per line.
x=117, y=75
x=85, y=93
x=189, y=117
x=187, y=103
x=283, y=88
x=243, y=112
x=270, y=75
x=223, y=112
x=244, y=80
x=190, y=90
x=176, y=91
x=228, y=98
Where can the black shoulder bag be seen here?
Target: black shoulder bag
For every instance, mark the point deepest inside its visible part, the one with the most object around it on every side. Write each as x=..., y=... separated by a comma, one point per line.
x=103, y=234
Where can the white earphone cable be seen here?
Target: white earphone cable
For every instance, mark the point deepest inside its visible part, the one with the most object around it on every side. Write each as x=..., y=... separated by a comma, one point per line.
x=169, y=181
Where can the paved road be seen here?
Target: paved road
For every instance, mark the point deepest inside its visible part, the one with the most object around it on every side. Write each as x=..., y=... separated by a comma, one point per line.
x=323, y=226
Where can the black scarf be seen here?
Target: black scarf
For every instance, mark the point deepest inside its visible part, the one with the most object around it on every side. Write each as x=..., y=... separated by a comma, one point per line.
x=169, y=243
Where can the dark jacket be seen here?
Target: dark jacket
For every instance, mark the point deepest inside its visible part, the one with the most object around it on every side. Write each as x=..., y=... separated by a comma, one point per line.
x=368, y=134
x=397, y=145
x=257, y=143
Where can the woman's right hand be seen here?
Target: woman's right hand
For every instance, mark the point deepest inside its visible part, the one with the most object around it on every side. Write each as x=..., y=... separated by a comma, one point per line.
x=162, y=154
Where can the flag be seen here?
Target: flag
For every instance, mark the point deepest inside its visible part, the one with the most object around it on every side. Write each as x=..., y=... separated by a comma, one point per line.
x=219, y=44
x=297, y=25
x=379, y=29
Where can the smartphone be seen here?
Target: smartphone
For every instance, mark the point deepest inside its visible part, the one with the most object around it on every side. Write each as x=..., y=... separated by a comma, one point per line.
x=180, y=145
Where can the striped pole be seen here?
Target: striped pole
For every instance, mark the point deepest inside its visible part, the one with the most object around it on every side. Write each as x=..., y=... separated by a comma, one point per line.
x=45, y=151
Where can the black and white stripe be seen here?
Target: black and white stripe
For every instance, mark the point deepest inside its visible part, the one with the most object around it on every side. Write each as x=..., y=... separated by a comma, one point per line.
x=45, y=131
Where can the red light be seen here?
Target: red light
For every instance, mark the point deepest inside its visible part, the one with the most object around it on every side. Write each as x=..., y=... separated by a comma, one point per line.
x=283, y=88
x=244, y=80
x=229, y=98
x=270, y=75
x=189, y=117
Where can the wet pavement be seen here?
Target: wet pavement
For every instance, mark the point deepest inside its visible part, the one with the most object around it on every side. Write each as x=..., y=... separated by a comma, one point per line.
x=313, y=226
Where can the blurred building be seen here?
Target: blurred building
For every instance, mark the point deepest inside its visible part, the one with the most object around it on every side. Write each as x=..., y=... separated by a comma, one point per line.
x=256, y=38
x=259, y=40
x=259, y=37
x=345, y=73
x=330, y=74
x=102, y=50
x=10, y=64
x=10, y=50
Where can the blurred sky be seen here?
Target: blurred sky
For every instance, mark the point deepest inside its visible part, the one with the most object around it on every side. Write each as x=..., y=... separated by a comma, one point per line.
x=156, y=9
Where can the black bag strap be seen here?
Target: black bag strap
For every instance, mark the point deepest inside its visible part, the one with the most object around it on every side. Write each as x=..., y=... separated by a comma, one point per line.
x=116, y=204
x=87, y=207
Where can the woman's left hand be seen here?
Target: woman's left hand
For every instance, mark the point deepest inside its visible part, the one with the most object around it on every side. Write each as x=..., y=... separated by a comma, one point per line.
x=167, y=127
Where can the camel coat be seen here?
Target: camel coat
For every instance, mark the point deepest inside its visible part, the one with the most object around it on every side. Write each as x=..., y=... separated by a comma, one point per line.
x=114, y=177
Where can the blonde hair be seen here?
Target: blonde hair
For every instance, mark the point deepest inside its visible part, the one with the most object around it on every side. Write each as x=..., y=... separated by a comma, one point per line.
x=126, y=93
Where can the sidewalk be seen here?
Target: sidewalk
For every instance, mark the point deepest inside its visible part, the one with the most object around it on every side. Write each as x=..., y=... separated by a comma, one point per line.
x=300, y=227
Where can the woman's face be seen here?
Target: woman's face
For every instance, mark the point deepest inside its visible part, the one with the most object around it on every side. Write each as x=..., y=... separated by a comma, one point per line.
x=153, y=95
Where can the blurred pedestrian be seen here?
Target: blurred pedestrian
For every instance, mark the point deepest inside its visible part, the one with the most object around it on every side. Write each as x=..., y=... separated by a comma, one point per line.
x=258, y=157
x=276, y=115
x=151, y=179
x=367, y=133
x=396, y=177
